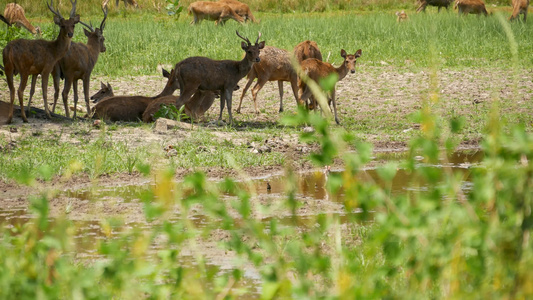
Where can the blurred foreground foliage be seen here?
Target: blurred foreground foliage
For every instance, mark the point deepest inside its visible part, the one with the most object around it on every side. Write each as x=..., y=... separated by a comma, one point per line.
x=442, y=242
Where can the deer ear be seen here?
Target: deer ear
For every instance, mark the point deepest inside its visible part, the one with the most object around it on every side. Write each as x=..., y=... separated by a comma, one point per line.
x=343, y=53
x=87, y=33
x=57, y=20
x=76, y=18
x=262, y=45
x=358, y=53
x=166, y=73
x=102, y=85
x=109, y=87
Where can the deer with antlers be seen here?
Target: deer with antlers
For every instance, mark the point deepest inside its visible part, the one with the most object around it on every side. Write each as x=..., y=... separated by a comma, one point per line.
x=14, y=15
x=318, y=70
x=219, y=12
x=275, y=65
x=202, y=73
x=78, y=63
x=131, y=108
x=34, y=57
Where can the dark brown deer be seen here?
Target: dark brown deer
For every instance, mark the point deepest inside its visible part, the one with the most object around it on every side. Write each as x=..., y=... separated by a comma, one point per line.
x=317, y=70
x=78, y=63
x=242, y=9
x=200, y=102
x=438, y=3
x=275, y=65
x=14, y=15
x=202, y=73
x=466, y=7
x=34, y=57
x=104, y=92
x=519, y=7
x=212, y=11
x=131, y=108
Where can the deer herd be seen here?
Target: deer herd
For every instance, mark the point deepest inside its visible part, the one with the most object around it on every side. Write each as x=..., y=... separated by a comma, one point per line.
x=199, y=79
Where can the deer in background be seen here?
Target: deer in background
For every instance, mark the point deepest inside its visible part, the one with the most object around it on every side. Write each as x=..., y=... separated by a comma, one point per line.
x=438, y=3
x=126, y=2
x=14, y=15
x=466, y=7
x=202, y=73
x=131, y=108
x=241, y=9
x=275, y=65
x=34, y=57
x=401, y=16
x=212, y=11
x=519, y=7
x=317, y=70
x=78, y=63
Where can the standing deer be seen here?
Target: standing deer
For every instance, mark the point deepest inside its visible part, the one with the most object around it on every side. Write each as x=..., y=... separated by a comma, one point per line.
x=126, y=2
x=131, y=108
x=14, y=15
x=275, y=65
x=317, y=70
x=202, y=73
x=242, y=9
x=212, y=11
x=34, y=57
x=78, y=64
x=466, y=7
x=519, y=7
x=438, y=3
x=304, y=50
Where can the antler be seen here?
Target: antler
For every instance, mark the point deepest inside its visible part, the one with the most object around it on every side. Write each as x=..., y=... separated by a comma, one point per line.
x=55, y=12
x=246, y=39
x=102, y=25
x=90, y=27
x=73, y=11
x=258, y=37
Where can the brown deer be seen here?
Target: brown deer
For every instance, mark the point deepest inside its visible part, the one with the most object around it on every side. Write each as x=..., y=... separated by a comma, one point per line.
x=242, y=9
x=131, y=108
x=104, y=92
x=126, y=2
x=34, y=57
x=275, y=65
x=317, y=70
x=212, y=11
x=200, y=102
x=202, y=73
x=438, y=3
x=78, y=64
x=304, y=50
x=14, y=15
x=401, y=16
x=519, y=7
x=466, y=7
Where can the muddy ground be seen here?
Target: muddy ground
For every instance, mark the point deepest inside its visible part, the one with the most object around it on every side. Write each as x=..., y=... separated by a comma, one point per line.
x=360, y=97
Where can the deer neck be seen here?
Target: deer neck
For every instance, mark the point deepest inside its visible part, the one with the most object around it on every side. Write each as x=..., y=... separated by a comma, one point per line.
x=244, y=66
x=62, y=44
x=342, y=71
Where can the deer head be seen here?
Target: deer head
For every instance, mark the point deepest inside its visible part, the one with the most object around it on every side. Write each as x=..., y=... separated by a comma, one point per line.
x=97, y=33
x=66, y=26
x=350, y=60
x=252, y=51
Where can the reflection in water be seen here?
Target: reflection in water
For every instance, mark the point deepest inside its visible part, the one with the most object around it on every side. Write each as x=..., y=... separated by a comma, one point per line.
x=310, y=186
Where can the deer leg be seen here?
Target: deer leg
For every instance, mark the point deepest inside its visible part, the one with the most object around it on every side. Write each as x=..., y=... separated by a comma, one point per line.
x=9, y=78
x=257, y=87
x=294, y=86
x=222, y=103
x=64, y=94
x=56, y=79
x=75, y=90
x=86, y=82
x=229, y=94
x=44, y=80
x=20, y=92
x=280, y=87
x=248, y=84
x=334, y=106
x=32, y=90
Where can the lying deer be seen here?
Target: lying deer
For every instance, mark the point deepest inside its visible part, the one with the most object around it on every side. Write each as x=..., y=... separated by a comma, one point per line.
x=519, y=7
x=34, y=57
x=212, y=11
x=131, y=108
x=202, y=73
x=275, y=65
x=317, y=70
x=438, y=3
x=242, y=9
x=78, y=64
x=105, y=91
x=14, y=15
x=200, y=102
x=466, y=7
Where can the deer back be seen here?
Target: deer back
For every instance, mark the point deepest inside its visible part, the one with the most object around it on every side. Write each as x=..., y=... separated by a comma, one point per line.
x=275, y=64
x=307, y=49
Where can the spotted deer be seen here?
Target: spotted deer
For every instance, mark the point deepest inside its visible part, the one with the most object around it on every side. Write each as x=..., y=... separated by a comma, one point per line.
x=14, y=15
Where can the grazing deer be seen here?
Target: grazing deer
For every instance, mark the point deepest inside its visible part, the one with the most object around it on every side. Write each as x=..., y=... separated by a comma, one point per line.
x=242, y=9
x=519, y=7
x=131, y=108
x=317, y=70
x=78, y=64
x=212, y=11
x=466, y=7
x=202, y=73
x=34, y=57
x=275, y=65
x=438, y=3
x=105, y=91
x=304, y=50
x=401, y=16
x=126, y=2
x=14, y=15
